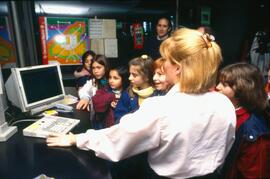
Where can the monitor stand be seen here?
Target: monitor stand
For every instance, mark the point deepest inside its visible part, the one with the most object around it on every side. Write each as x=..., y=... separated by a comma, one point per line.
x=5, y=131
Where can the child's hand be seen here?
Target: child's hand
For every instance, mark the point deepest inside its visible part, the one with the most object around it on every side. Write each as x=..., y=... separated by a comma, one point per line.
x=81, y=73
x=84, y=73
x=83, y=104
x=114, y=102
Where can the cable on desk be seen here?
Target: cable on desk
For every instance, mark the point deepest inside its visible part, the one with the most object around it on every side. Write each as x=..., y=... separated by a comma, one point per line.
x=14, y=114
x=15, y=120
x=23, y=120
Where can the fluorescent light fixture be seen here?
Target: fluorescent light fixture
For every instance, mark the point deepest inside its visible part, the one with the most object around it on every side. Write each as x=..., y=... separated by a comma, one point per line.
x=61, y=9
x=3, y=7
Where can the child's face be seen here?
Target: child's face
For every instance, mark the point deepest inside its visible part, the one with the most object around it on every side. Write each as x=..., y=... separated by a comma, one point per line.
x=136, y=79
x=98, y=70
x=87, y=63
x=226, y=90
x=159, y=79
x=115, y=80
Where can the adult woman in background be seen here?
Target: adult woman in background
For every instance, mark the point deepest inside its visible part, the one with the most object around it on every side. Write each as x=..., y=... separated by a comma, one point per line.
x=152, y=44
x=187, y=132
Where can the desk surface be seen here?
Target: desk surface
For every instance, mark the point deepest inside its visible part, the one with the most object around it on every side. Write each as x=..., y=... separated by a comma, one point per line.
x=27, y=157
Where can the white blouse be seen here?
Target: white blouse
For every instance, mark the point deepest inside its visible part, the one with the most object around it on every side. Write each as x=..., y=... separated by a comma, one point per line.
x=88, y=90
x=185, y=135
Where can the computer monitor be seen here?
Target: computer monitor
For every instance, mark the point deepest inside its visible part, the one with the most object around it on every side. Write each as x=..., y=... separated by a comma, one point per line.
x=34, y=89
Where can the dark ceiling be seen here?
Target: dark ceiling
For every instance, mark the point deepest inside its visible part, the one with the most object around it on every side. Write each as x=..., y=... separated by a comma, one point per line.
x=107, y=8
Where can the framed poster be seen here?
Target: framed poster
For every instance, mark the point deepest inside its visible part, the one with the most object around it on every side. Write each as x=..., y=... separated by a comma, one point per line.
x=63, y=40
x=7, y=48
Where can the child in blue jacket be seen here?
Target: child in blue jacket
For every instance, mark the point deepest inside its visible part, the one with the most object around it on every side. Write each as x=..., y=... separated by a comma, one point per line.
x=141, y=81
x=105, y=99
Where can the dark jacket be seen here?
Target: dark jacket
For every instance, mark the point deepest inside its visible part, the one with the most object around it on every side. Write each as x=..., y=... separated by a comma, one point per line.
x=128, y=104
x=104, y=113
x=250, y=154
x=151, y=47
x=125, y=105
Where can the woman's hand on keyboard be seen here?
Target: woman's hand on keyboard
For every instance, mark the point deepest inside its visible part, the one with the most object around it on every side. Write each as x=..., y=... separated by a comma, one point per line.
x=61, y=140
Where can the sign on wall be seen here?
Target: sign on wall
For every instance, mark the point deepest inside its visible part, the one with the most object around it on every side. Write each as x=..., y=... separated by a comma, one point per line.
x=63, y=40
x=7, y=49
x=102, y=34
x=205, y=15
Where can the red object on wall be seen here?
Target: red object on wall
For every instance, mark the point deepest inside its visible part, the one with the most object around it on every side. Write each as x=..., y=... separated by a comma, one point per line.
x=43, y=35
x=138, y=37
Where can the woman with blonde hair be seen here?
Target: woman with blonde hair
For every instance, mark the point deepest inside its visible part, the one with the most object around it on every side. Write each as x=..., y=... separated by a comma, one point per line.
x=188, y=132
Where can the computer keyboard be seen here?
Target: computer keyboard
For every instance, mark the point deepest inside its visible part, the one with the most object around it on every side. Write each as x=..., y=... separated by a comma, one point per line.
x=50, y=124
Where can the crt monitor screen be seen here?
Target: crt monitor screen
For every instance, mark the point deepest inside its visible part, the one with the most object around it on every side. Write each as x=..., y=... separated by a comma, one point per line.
x=30, y=88
x=40, y=84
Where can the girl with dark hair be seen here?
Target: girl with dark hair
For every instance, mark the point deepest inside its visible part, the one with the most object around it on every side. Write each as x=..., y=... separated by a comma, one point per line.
x=100, y=69
x=83, y=73
x=105, y=99
x=249, y=157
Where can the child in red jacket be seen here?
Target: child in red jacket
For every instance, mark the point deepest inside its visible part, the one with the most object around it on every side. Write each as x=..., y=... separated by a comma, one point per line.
x=105, y=99
x=267, y=85
x=249, y=157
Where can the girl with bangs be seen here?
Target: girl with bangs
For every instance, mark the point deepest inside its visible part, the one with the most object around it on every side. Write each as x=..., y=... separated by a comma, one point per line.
x=106, y=99
x=159, y=78
x=243, y=84
x=100, y=67
x=83, y=73
x=141, y=86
